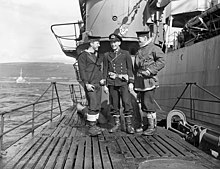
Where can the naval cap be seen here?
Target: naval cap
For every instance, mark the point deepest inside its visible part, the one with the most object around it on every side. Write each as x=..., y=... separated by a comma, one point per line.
x=93, y=38
x=142, y=33
x=115, y=37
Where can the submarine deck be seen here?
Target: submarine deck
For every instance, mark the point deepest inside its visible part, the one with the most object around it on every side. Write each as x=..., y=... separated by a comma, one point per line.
x=65, y=144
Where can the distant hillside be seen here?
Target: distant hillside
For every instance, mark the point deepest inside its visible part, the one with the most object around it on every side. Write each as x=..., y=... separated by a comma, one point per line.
x=41, y=70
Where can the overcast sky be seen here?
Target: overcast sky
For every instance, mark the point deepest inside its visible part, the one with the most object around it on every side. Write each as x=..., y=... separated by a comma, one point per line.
x=25, y=34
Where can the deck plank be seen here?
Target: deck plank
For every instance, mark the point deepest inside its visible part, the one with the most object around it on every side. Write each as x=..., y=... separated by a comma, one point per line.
x=96, y=153
x=39, y=153
x=56, y=132
x=132, y=149
x=73, y=132
x=53, y=157
x=80, y=153
x=68, y=131
x=179, y=148
x=138, y=147
x=146, y=146
x=63, y=155
x=42, y=162
x=88, y=153
x=123, y=148
x=71, y=154
x=104, y=153
x=153, y=146
x=163, y=148
x=12, y=163
x=29, y=154
x=115, y=155
x=61, y=132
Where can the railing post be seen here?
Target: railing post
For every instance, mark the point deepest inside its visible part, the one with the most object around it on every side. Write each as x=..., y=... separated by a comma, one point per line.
x=58, y=99
x=51, y=112
x=190, y=99
x=187, y=84
x=1, y=133
x=71, y=92
x=33, y=119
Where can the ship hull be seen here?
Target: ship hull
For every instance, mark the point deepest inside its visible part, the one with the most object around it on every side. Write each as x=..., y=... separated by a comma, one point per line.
x=200, y=64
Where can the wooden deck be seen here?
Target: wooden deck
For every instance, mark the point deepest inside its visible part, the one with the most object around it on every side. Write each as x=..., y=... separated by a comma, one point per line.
x=66, y=145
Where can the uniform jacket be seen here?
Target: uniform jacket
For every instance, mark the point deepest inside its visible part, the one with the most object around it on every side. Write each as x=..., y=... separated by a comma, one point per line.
x=119, y=63
x=151, y=58
x=90, y=67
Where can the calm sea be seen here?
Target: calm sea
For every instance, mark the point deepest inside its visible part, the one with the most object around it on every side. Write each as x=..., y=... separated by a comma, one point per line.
x=38, y=78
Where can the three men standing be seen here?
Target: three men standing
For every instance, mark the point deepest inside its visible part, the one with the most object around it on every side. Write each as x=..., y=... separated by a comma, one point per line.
x=118, y=78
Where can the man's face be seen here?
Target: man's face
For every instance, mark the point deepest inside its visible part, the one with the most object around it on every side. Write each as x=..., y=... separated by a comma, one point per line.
x=115, y=45
x=95, y=45
x=142, y=40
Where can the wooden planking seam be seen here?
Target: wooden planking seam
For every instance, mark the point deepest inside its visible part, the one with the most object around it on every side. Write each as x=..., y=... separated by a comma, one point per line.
x=131, y=147
x=146, y=146
x=80, y=154
x=30, y=154
x=44, y=158
x=177, y=147
x=153, y=146
x=169, y=147
x=116, y=157
x=167, y=152
x=54, y=155
x=138, y=147
x=60, y=162
x=71, y=156
x=34, y=160
x=88, y=154
x=56, y=132
x=96, y=153
x=104, y=153
x=123, y=149
x=61, y=132
x=14, y=160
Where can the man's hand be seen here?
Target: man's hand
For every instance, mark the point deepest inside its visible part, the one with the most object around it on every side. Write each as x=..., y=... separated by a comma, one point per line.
x=123, y=77
x=105, y=89
x=130, y=87
x=102, y=82
x=112, y=75
x=90, y=87
x=146, y=73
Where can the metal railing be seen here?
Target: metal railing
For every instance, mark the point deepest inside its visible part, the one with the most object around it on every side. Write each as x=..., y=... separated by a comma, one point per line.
x=31, y=124
x=193, y=99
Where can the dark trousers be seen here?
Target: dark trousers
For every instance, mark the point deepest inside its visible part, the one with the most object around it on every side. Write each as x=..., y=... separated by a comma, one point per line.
x=117, y=92
x=147, y=101
x=94, y=100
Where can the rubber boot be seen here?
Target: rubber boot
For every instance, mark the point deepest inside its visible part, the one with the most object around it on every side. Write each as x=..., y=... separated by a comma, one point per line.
x=140, y=129
x=151, y=127
x=98, y=128
x=129, y=128
x=93, y=130
x=117, y=125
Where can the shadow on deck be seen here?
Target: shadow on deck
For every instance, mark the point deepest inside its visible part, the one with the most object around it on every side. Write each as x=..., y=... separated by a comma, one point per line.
x=66, y=145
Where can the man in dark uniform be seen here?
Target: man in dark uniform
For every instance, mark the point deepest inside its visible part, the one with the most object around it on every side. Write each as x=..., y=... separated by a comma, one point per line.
x=89, y=63
x=148, y=62
x=118, y=73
